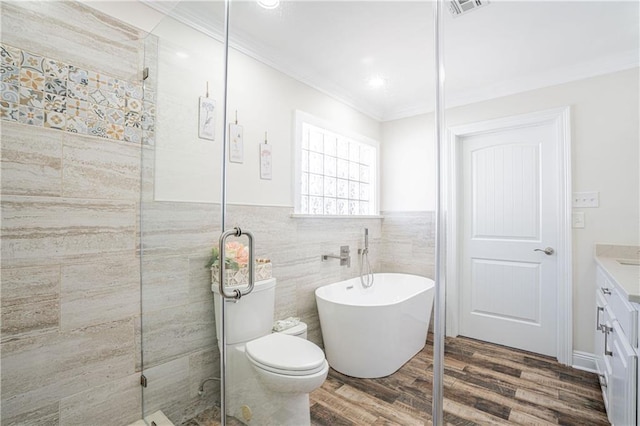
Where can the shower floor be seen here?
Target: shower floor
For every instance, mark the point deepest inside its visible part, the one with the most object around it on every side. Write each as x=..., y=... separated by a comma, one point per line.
x=483, y=384
x=211, y=417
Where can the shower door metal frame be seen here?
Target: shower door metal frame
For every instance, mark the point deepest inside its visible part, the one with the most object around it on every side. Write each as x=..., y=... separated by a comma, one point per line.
x=437, y=412
x=223, y=214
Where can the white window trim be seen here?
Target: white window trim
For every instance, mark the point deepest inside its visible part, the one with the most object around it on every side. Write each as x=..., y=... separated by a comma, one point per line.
x=303, y=117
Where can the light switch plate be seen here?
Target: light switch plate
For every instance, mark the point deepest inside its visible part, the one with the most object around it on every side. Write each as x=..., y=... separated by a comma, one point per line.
x=586, y=199
x=577, y=219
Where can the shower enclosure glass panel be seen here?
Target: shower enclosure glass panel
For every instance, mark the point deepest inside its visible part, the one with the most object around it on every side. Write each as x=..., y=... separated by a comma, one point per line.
x=325, y=59
x=578, y=63
x=180, y=213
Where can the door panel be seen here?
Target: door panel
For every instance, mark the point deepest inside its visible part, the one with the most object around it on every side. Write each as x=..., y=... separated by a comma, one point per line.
x=506, y=192
x=510, y=209
x=517, y=283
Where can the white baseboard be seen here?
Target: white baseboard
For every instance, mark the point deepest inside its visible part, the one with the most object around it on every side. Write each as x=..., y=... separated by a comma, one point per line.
x=584, y=361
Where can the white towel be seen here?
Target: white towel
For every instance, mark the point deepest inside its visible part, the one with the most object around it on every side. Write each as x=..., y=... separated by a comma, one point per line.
x=286, y=323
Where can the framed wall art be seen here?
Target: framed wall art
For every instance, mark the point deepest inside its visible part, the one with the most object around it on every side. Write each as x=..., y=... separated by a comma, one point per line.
x=207, y=119
x=236, y=149
x=265, y=161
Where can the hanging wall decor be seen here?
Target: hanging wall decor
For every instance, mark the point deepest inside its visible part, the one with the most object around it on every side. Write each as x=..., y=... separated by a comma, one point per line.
x=207, y=117
x=236, y=150
x=265, y=159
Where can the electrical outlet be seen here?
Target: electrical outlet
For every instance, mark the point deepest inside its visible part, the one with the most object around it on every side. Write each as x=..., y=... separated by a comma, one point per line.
x=577, y=220
x=586, y=199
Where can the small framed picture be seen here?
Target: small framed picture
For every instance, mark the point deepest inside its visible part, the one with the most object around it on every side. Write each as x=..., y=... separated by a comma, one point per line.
x=236, y=149
x=207, y=119
x=265, y=161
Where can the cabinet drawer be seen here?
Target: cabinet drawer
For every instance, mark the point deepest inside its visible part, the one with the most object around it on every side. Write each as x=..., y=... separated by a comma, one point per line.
x=622, y=385
x=621, y=309
x=602, y=282
x=626, y=315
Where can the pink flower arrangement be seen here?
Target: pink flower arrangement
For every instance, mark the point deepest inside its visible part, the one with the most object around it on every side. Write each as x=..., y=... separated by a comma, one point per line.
x=237, y=252
x=236, y=256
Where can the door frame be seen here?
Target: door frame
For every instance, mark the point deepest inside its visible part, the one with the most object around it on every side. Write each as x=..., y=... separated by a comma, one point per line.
x=560, y=118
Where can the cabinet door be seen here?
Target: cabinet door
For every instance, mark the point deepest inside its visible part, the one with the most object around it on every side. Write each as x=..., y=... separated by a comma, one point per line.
x=622, y=383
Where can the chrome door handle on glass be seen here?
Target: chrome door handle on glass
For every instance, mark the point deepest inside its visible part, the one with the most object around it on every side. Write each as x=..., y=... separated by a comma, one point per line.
x=548, y=251
x=237, y=293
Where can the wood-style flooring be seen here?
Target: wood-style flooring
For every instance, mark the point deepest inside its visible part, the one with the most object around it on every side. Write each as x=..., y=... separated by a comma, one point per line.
x=484, y=384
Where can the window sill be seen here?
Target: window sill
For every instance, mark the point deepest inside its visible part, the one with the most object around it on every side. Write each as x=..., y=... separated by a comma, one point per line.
x=316, y=216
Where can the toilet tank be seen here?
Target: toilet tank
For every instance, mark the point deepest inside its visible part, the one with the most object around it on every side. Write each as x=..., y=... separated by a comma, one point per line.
x=251, y=316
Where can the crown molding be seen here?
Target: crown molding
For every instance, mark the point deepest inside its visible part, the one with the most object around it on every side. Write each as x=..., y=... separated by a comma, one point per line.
x=606, y=65
x=453, y=98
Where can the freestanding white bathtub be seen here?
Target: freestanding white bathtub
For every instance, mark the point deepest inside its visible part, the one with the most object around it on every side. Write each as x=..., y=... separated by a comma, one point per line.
x=372, y=332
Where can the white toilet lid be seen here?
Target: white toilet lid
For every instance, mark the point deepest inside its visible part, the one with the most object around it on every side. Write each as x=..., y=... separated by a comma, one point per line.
x=284, y=354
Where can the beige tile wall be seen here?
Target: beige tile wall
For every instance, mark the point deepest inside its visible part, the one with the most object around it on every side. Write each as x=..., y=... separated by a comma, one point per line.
x=70, y=291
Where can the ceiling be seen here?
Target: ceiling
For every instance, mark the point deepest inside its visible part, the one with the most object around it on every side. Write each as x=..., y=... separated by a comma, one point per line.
x=502, y=48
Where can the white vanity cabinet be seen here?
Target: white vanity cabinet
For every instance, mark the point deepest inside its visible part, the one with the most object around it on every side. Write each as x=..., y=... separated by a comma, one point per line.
x=604, y=373
x=623, y=381
x=616, y=345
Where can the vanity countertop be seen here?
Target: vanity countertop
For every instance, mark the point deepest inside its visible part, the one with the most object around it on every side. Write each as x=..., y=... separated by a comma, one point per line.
x=612, y=258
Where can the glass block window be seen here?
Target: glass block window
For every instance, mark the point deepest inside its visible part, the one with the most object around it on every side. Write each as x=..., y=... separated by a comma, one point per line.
x=336, y=174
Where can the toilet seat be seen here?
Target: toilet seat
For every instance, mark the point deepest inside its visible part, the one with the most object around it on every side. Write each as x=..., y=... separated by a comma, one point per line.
x=285, y=355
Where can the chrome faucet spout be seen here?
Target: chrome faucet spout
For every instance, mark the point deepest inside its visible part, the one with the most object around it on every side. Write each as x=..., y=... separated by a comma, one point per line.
x=345, y=257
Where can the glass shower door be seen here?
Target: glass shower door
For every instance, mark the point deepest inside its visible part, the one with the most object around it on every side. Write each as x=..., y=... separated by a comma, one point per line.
x=569, y=71
x=320, y=61
x=180, y=213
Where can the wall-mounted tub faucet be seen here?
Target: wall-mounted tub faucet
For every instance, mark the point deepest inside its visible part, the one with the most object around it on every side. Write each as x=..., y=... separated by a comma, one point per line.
x=345, y=258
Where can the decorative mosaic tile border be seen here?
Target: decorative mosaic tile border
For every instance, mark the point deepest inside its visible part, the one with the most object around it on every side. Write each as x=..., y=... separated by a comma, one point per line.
x=45, y=92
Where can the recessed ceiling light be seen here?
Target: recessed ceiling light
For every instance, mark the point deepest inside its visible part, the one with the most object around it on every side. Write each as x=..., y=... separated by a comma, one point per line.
x=269, y=4
x=377, y=81
x=182, y=55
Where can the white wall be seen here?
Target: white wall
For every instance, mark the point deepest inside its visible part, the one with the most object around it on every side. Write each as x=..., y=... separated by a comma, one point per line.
x=187, y=167
x=408, y=164
x=605, y=158
x=266, y=100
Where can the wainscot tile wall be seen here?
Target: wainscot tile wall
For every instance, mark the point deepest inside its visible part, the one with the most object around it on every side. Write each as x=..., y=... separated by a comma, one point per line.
x=400, y=242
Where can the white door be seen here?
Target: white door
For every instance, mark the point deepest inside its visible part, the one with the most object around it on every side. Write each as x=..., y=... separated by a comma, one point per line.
x=510, y=211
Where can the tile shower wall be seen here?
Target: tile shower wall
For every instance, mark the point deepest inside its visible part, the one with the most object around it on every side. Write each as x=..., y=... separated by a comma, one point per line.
x=72, y=121
x=46, y=92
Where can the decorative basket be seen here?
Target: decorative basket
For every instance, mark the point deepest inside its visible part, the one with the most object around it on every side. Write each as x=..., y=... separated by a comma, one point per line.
x=241, y=276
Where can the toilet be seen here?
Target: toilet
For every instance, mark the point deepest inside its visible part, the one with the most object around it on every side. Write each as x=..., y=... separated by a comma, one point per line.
x=269, y=375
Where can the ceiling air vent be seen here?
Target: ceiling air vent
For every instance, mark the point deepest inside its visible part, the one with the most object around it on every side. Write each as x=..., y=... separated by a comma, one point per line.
x=460, y=7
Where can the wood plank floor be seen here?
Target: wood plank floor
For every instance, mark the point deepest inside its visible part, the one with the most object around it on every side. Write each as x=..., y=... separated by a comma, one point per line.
x=485, y=384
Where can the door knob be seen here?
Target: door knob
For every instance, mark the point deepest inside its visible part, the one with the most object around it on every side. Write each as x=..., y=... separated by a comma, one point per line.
x=548, y=251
